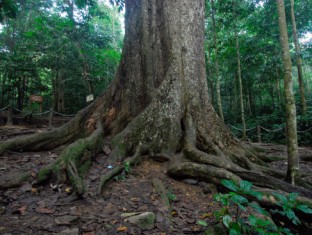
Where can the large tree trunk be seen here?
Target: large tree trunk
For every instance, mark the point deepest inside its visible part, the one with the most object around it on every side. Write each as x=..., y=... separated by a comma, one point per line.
x=157, y=105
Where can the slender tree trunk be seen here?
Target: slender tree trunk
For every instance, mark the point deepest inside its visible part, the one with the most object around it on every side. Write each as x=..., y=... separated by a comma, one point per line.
x=307, y=80
x=85, y=73
x=298, y=59
x=272, y=96
x=292, y=142
x=249, y=102
x=277, y=89
x=217, y=67
x=240, y=85
x=236, y=99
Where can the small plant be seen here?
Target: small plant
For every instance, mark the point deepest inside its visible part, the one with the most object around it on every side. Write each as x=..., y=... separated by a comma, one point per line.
x=236, y=202
x=171, y=196
x=127, y=167
x=288, y=204
x=123, y=176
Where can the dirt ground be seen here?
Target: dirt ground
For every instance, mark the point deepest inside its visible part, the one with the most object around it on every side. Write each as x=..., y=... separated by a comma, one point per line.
x=49, y=209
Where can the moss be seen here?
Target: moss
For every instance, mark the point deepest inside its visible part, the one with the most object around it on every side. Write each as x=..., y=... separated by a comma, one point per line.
x=25, y=176
x=119, y=148
x=44, y=174
x=77, y=183
x=84, y=168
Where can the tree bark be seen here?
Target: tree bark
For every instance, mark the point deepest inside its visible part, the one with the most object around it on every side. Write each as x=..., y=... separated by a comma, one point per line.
x=298, y=59
x=240, y=85
x=157, y=106
x=210, y=79
x=217, y=67
x=292, y=141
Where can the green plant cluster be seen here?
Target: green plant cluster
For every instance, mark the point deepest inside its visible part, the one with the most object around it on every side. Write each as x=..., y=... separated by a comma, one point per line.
x=240, y=215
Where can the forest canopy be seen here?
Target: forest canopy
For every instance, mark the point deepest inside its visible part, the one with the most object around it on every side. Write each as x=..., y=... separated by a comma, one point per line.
x=58, y=50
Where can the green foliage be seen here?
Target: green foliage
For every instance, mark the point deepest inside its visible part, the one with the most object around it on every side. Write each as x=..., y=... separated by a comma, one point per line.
x=262, y=73
x=289, y=204
x=202, y=223
x=8, y=8
x=45, y=52
x=171, y=196
x=127, y=167
x=119, y=3
x=237, y=213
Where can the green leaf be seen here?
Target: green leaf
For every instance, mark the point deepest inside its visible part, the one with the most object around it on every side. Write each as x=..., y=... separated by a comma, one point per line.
x=29, y=34
x=292, y=197
x=304, y=208
x=245, y=185
x=238, y=199
x=227, y=220
x=252, y=220
x=255, y=194
x=262, y=222
x=281, y=198
x=230, y=184
x=222, y=212
x=276, y=211
x=202, y=223
x=234, y=232
x=258, y=208
x=290, y=214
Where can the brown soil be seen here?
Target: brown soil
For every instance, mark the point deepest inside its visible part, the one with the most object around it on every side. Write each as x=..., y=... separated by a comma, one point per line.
x=49, y=209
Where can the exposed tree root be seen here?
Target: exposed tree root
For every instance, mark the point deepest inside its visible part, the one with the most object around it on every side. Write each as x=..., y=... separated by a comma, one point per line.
x=191, y=151
x=14, y=179
x=65, y=134
x=74, y=161
x=132, y=161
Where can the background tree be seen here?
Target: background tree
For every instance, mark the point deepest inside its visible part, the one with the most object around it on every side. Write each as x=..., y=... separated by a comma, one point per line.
x=298, y=58
x=261, y=66
x=292, y=142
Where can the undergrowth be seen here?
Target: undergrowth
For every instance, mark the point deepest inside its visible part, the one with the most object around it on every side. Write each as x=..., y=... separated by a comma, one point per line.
x=242, y=215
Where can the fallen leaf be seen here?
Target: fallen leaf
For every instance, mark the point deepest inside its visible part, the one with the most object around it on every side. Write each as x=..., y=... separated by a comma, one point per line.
x=42, y=210
x=34, y=190
x=68, y=190
x=65, y=220
x=114, y=221
x=206, y=215
x=122, y=229
x=135, y=199
x=22, y=210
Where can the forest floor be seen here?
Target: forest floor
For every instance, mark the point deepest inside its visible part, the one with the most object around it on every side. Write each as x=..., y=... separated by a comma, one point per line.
x=49, y=209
